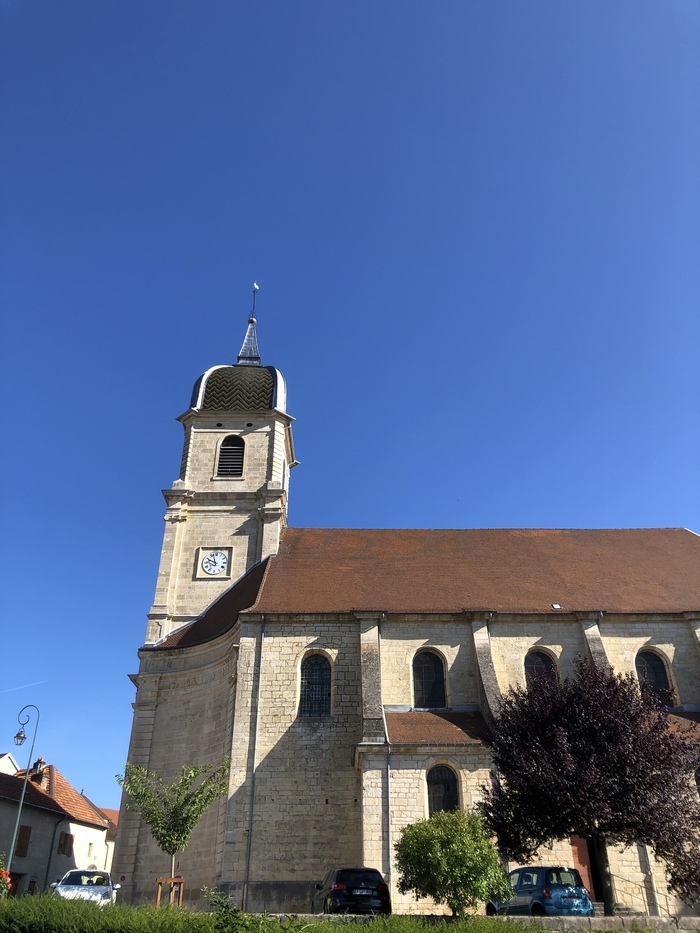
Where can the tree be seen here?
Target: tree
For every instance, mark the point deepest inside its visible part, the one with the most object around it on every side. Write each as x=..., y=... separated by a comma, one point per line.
x=594, y=756
x=173, y=810
x=451, y=859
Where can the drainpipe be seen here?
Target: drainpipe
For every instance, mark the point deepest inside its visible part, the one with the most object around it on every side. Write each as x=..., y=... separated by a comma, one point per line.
x=654, y=908
x=244, y=901
x=53, y=839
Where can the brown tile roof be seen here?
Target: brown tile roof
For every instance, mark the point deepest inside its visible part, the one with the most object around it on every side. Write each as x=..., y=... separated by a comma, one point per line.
x=435, y=728
x=11, y=789
x=112, y=815
x=76, y=805
x=505, y=570
x=686, y=725
x=220, y=615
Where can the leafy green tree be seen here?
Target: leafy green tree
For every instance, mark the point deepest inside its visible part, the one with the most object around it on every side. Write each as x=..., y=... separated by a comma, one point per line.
x=173, y=810
x=451, y=859
x=594, y=756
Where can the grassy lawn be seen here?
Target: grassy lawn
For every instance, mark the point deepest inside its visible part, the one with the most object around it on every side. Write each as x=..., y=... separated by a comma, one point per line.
x=46, y=914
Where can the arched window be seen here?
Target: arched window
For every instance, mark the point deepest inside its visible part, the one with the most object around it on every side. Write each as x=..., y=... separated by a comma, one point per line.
x=428, y=681
x=539, y=666
x=231, y=456
x=652, y=674
x=315, y=686
x=442, y=789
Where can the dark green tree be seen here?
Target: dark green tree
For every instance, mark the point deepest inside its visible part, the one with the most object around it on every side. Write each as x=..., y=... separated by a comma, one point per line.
x=595, y=756
x=172, y=811
x=451, y=859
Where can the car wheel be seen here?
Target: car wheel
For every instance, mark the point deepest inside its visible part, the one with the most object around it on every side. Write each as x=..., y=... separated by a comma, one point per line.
x=491, y=910
x=538, y=911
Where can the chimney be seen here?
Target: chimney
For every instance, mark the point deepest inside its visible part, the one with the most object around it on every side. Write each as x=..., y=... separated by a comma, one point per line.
x=39, y=775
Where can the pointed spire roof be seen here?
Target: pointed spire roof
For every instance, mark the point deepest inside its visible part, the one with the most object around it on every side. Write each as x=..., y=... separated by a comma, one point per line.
x=250, y=355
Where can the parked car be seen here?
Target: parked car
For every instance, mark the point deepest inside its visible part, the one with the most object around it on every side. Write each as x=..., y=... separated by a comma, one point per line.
x=545, y=891
x=87, y=885
x=352, y=891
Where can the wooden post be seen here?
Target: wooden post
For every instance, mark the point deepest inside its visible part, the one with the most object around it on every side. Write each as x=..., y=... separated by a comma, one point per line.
x=177, y=887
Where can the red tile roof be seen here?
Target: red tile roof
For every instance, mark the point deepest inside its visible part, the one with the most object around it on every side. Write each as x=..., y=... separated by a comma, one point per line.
x=76, y=805
x=504, y=570
x=427, y=727
x=11, y=789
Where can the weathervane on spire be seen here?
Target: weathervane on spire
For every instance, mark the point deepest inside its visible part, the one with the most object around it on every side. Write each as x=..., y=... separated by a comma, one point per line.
x=250, y=355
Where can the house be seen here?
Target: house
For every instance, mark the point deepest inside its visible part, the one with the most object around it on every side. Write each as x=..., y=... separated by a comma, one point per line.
x=59, y=829
x=350, y=674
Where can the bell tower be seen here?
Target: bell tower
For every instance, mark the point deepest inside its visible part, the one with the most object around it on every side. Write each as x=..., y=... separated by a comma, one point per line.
x=229, y=504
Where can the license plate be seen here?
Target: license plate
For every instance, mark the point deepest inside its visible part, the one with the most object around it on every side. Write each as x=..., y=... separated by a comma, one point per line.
x=361, y=891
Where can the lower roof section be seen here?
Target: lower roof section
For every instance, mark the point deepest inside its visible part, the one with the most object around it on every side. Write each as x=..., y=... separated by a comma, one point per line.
x=436, y=727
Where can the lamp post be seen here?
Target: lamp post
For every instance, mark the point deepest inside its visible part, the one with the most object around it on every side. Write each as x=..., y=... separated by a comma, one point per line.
x=20, y=739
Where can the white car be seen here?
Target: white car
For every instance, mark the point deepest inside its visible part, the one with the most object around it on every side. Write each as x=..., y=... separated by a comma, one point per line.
x=88, y=885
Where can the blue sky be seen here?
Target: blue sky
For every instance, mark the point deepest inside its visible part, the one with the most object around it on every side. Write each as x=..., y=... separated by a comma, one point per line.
x=476, y=228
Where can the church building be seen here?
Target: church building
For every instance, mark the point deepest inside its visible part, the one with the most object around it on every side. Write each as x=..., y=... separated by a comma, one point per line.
x=350, y=675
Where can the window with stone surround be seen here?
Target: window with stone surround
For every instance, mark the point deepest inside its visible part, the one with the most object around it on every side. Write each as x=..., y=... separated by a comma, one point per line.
x=315, y=698
x=428, y=681
x=539, y=666
x=653, y=676
x=442, y=789
x=231, y=456
x=65, y=844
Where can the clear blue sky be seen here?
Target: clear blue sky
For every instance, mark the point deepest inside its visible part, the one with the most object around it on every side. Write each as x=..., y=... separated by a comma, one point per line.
x=476, y=228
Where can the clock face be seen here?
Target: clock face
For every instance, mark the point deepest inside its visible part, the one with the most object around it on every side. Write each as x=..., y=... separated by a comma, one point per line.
x=215, y=562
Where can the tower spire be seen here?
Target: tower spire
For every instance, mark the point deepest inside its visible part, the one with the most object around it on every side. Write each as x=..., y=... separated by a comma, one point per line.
x=250, y=355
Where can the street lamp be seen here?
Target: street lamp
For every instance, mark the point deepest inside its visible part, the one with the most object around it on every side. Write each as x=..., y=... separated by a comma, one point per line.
x=20, y=739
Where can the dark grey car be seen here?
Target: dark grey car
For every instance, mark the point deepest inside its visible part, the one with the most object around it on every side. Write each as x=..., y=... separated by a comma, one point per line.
x=352, y=891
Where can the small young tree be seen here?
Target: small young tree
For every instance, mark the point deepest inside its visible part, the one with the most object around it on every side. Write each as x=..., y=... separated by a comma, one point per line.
x=172, y=811
x=593, y=756
x=451, y=859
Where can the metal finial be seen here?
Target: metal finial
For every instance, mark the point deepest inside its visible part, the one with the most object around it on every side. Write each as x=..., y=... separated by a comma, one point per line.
x=256, y=289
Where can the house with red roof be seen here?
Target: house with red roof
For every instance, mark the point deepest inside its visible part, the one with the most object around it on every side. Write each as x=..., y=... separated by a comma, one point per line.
x=350, y=674
x=59, y=828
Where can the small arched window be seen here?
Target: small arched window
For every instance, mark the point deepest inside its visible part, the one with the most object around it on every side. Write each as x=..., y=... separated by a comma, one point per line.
x=539, y=666
x=428, y=681
x=231, y=456
x=315, y=697
x=652, y=674
x=442, y=789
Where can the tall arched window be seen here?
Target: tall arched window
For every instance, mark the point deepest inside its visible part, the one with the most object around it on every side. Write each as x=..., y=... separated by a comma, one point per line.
x=442, y=789
x=231, y=456
x=539, y=666
x=428, y=681
x=315, y=697
x=652, y=674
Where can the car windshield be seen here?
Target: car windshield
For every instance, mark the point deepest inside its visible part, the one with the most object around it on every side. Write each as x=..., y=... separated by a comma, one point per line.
x=86, y=877
x=568, y=876
x=359, y=877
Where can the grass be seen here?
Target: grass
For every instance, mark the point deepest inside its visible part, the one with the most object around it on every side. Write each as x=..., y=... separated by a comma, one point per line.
x=46, y=914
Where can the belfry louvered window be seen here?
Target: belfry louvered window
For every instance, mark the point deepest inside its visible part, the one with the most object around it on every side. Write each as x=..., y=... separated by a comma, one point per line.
x=231, y=456
x=652, y=675
x=428, y=681
x=539, y=666
x=315, y=697
x=442, y=790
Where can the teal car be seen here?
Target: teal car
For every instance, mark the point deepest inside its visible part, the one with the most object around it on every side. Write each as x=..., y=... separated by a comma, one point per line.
x=543, y=891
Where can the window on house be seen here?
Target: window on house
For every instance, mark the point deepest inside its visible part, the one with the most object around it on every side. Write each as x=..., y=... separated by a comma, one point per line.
x=65, y=844
x=231, y=456
x=428, y=681
x=539, y=666
x=652, y=674
x=22, y=846
x=315, y=697
x=442, y=790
